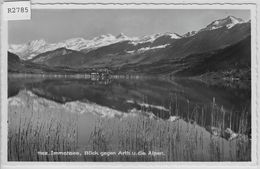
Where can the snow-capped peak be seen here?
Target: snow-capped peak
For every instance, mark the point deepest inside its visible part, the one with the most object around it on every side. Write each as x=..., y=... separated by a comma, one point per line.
x=153, y=37
x=227, y=22
x=75, y=40
x=29, y=50
x=173, y=35
x=189, y=34
x=104, y=37
x=122, y=36
x=37, y=43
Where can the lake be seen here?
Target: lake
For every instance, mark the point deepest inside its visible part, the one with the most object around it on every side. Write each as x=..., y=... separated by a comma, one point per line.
x=135, y=119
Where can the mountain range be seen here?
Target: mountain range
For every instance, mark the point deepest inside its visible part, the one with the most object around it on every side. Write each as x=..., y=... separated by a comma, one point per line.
x=223, y=46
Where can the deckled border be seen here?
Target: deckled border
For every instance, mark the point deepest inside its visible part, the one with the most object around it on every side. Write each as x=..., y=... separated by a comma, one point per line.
x=99, y=3
x=44, y=4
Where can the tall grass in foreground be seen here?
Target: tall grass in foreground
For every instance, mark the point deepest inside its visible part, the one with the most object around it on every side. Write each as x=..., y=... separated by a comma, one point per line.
x=179, y=141
x=32, y=130
x=40, y=125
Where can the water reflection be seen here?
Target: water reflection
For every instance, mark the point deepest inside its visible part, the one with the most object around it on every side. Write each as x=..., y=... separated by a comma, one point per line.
x=191, y=100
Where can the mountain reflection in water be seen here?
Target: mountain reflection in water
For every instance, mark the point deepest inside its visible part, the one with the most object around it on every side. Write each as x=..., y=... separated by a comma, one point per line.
x=191, y=100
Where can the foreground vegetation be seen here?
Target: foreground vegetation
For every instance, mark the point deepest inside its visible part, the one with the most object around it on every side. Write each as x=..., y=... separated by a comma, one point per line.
x=39, y=125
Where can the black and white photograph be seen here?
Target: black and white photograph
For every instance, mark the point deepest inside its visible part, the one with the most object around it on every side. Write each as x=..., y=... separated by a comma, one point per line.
x=130, y=85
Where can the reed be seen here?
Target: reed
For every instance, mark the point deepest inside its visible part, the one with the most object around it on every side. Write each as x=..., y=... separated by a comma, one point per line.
x=32, y=129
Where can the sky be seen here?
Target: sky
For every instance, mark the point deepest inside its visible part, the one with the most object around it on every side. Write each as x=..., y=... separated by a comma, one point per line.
x=55, y=25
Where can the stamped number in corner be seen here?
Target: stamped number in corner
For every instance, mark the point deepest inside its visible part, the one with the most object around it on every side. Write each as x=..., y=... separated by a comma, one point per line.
x=18, y=10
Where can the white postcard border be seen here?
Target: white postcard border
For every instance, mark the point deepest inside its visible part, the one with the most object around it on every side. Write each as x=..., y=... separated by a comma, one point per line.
x=254, y=7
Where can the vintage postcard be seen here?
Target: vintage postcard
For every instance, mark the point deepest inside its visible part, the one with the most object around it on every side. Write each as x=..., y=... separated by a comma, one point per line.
x=134, y=83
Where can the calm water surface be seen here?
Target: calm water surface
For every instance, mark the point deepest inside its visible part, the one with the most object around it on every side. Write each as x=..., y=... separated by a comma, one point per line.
x=159, y=96
x=184, y=119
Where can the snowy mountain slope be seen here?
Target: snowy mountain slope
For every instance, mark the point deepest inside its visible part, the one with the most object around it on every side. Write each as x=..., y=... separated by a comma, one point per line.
x=33, y=48
x=36, y=47
x=152, y=38
x=151, y=52
x=227, y=22
x=154, y=54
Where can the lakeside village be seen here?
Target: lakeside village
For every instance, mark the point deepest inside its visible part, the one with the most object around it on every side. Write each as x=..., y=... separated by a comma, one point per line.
x=94, y=74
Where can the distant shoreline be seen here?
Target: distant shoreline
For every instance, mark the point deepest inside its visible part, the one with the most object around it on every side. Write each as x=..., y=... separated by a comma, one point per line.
x=81, y=76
